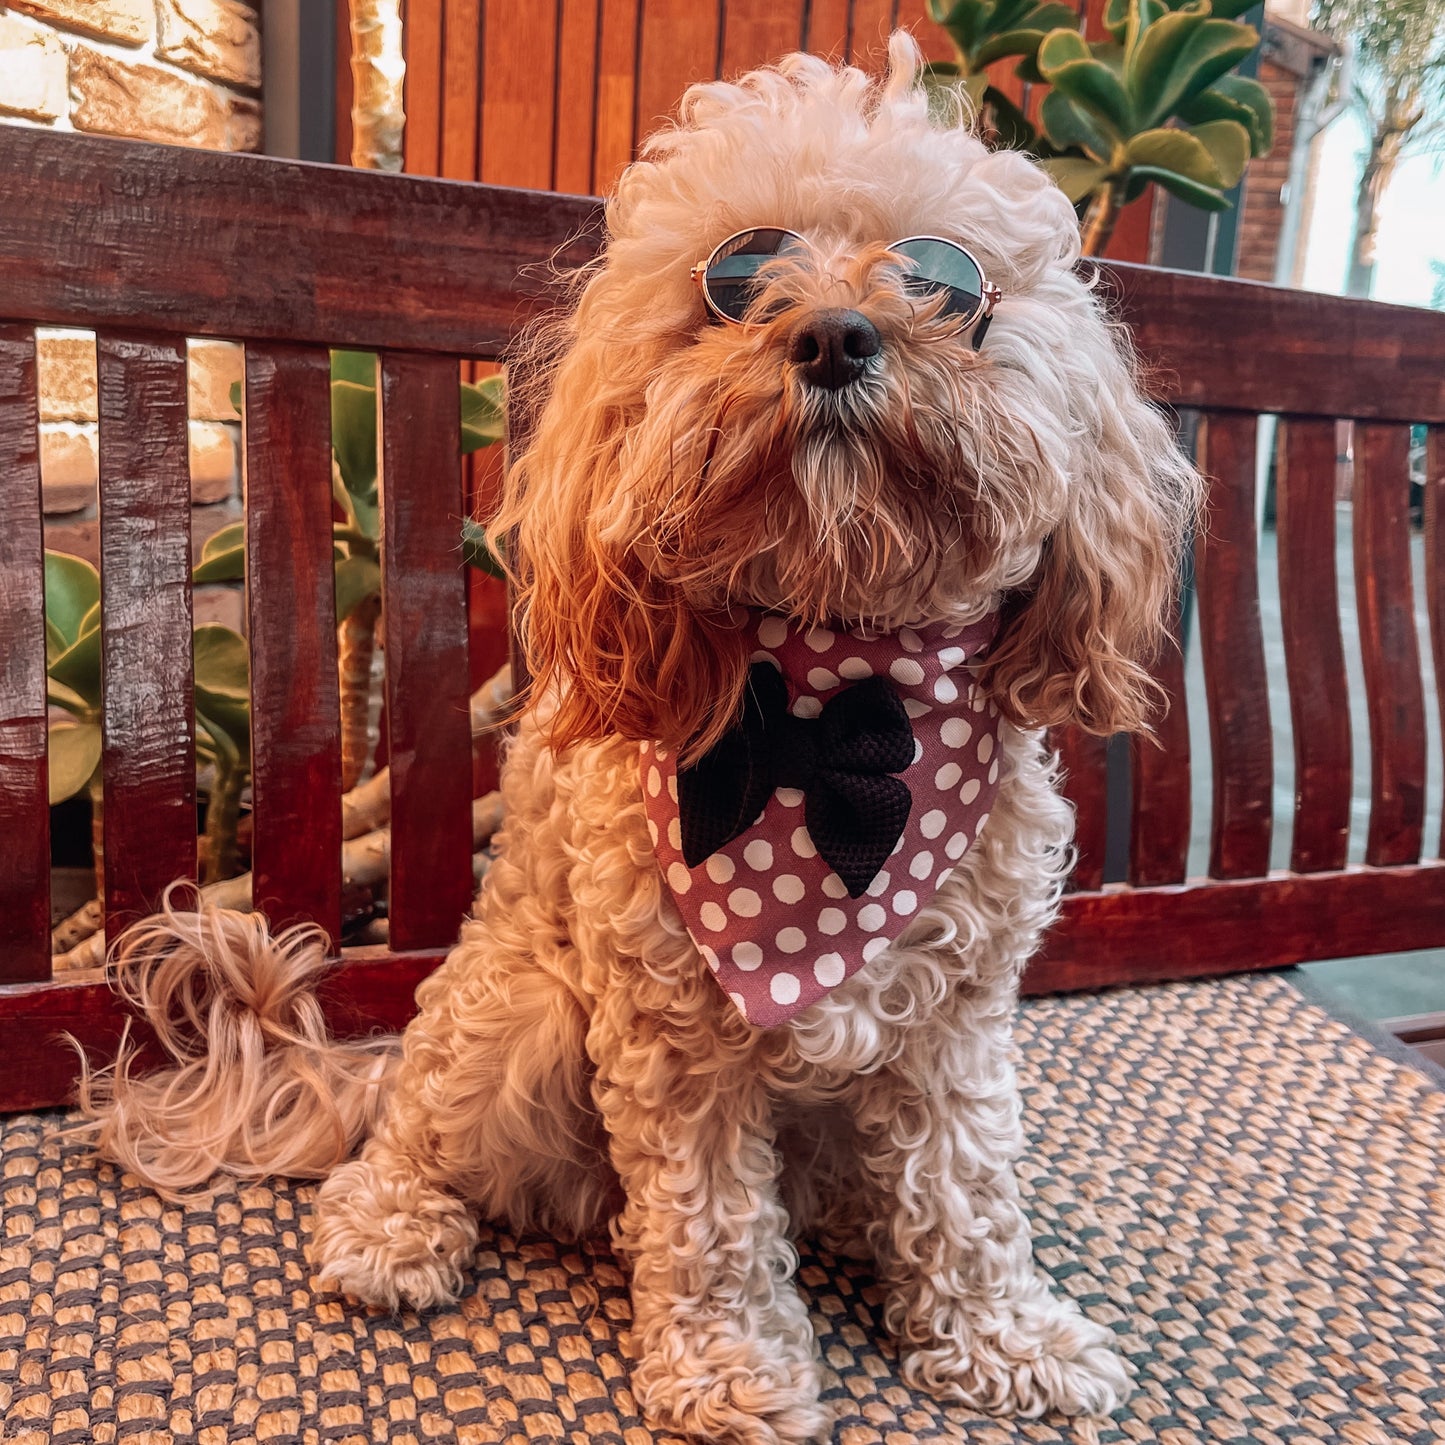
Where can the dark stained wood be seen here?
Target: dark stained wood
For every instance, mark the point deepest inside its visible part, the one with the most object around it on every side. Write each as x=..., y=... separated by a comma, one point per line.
x=1313, y=650
x=145, y=596
x=120, y=234
x=1086, y=785
x=24, y=809
x=1209, y=342
x=1140, y=935
x=425, y=620
x=1161, y=803
x=1386, y=605
x=1232, y=646
x=295, y=711
x=574, y=124
x=1435, y=572
x=370, y=992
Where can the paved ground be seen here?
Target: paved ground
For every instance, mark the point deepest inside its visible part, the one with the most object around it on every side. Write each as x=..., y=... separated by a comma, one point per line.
x=1383, y=987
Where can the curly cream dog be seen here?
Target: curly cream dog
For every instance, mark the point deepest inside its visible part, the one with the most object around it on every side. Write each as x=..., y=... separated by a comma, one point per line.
x=574, y=1060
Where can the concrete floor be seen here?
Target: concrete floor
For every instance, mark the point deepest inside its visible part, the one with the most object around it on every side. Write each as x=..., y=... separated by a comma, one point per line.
x=1386, y=986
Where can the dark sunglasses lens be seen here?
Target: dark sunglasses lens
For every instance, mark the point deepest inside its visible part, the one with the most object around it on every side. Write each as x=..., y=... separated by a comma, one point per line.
x=939, y=267
x=731, y=276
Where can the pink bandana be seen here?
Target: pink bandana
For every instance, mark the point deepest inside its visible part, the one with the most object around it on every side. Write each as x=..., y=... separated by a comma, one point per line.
x=772, y=918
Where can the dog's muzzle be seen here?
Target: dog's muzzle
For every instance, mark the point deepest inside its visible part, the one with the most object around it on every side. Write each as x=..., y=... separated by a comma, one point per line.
x=831, y=347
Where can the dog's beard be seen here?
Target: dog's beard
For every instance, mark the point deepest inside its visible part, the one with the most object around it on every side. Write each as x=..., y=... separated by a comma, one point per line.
x=900, y=498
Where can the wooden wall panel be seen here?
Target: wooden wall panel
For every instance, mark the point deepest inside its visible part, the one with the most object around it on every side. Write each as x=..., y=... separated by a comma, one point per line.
x=519, y=82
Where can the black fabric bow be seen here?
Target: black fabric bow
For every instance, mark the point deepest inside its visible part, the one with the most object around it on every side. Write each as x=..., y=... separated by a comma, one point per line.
x=842, y=762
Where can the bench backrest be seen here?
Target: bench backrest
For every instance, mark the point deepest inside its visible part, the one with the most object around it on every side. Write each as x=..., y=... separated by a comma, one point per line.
x=149, y=246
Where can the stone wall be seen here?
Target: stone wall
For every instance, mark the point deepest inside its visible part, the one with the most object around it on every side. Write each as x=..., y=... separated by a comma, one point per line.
x=178, y=72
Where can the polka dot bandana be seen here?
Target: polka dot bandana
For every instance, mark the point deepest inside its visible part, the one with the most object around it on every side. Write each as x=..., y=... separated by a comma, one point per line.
x=772, y=919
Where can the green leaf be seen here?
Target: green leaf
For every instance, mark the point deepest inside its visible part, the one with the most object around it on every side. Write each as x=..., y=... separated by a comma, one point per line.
x=1208, y=49
x=1228, y=143
x=1068, y=125
x=223, y=680
x=72, y=588
x=235, y=394
x=353, y=436
x=1152, y=57
x=1025, y=39
x=1237, y=98
x=1176, y=152
x=1067, y=63
x=1076, y=178
x=223, y=556
x=1142, y=14
x=963, y=19
x=1207, y=198
x=58, y=695
x=77, y=669
x=354, y=366
x=476, y=552
x=54, y=642
x=484, y=405
x=357, y=578
x=74, y=756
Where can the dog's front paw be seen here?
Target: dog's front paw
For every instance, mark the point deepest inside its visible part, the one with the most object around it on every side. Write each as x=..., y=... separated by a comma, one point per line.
x=1056, y=1361
x=714, y=1384
x=389, y=1238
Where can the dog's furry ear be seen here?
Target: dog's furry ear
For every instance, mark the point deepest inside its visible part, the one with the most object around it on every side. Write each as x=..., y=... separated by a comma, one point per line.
x=1078, y=637
x=613, y=650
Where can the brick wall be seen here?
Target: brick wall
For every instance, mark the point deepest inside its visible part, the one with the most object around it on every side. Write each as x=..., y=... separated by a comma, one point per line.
x=179, y=72
x=1263, y=208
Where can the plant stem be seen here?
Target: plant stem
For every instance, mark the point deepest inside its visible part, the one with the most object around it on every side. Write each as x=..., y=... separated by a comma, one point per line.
x=1104, y=207
x=356, y=646
x=223, y=811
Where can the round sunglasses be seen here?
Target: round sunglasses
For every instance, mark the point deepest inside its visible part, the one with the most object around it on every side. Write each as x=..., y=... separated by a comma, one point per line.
x=728, y=279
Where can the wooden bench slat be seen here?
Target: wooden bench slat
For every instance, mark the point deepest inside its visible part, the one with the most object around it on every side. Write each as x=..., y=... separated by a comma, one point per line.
x=425, y=620
x=123, y=234
x=1162, y=803
x=1385, y=601
x=1314, y=652
x=24, y=805
x=145, y=590
x=295, y=707
x=1435, y=575
x=1144, y=935
x=1232, y=645
x=1084, y=760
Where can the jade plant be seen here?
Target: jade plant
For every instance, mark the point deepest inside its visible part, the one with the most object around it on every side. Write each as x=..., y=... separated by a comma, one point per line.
x=1155, y=101
x=73, y=672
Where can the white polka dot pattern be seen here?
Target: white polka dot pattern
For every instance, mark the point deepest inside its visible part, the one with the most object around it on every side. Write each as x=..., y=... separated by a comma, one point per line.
x=769, y=916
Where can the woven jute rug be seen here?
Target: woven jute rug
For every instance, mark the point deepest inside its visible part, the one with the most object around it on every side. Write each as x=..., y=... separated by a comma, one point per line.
x=1248, y=1193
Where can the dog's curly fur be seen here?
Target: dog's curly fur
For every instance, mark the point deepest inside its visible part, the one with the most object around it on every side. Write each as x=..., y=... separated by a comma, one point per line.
x=573, y=1061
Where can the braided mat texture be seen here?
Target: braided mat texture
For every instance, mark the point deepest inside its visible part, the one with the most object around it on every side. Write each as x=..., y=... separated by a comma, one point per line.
x=1248, y=1193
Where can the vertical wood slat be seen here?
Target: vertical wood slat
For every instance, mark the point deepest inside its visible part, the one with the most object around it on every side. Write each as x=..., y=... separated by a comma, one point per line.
x=616, y=109
x=461, y=82
x=145, y=590
x=1162, y=803
x=24, y=805
x=749, y=32
x=574, y=122
x=290, y=596
x=518, y=95
x=1083, y=759
x=425, y=620
x=1313, y=649
x=1389, y=651
x=1232, y=643
x=422, y=90
x=680, y=44
x=1435, y=575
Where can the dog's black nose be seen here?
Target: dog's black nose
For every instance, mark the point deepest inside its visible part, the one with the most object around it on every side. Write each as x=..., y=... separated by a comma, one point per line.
x=831, y=347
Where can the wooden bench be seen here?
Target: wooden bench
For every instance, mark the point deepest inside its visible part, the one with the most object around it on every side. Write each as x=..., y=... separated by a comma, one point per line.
x=149, y=246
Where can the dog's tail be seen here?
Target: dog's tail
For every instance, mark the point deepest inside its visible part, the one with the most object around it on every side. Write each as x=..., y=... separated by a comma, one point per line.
x=256, y=1086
